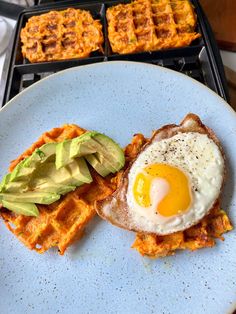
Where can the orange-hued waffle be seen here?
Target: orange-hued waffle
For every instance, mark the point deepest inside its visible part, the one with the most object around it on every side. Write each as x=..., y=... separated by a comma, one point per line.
x=62, y=222
x=59, y=35
x=199, y=236
x=148, y=25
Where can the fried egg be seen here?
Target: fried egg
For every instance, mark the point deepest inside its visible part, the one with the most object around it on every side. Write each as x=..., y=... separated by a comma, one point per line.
x=174, y=182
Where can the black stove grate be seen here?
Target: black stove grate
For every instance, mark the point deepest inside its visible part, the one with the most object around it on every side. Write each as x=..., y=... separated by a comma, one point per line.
x=200, y=60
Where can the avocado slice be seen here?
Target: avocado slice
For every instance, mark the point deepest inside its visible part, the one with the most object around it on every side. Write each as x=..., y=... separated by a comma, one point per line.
x=79, y=170
x=44, y=171
x=30, y=197
x=43, y=185
x=63, y=154
x=61, y=180
x=46, y=152
x=86, y=136
x=113, y=149
x=75, y=173
x=18, y=186
x=63, y=176
x=106, y=162
x=4, y=181
x=106, y=148
x=57, y=181
x=27, y=209
x=43, y=154
x=21, y=172
x=79, y=147
x=97, y=165
x=7, y=186
x=27, y=166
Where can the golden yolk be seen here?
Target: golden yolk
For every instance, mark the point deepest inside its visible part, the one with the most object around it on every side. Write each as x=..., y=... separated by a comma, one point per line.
x=178, y=198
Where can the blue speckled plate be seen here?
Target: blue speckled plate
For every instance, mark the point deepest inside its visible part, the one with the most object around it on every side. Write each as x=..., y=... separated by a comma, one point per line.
x=101, y=273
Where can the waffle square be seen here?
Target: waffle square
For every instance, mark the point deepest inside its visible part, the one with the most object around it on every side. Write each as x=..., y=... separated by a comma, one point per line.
x=148, y=25
x=61, y=223
x=59, y=35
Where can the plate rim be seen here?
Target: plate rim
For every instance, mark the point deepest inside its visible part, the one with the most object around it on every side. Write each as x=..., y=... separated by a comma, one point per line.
x=99, y=64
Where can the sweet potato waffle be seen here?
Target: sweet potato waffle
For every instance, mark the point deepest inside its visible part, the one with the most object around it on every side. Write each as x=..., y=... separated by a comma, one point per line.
x=62, y=222
x=148, y=25
x=59, y=35
x=199, y=236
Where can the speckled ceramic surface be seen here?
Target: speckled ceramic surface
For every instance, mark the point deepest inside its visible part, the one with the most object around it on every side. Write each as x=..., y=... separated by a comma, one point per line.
x=101, y=273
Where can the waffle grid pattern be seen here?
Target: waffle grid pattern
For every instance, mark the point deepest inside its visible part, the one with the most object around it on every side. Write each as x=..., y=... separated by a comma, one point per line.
x=148, y=25
x=59, y=35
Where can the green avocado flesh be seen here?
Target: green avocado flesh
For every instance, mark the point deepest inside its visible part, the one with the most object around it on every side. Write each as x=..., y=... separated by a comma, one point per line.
x=45, y=198
x=111, y=150
x=55, y=169
x=97, y=165
x=52, y=187
x=105, y=147
x=27, y=209
x=63, y=154
x=4, y=182
x=27, y=166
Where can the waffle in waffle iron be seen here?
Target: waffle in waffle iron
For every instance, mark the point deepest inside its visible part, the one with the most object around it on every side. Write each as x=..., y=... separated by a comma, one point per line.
x=60, y=223
x=148, y=25
x=59, y=35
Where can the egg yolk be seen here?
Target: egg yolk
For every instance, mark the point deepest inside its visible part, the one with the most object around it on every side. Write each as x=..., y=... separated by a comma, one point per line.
x=178, y=198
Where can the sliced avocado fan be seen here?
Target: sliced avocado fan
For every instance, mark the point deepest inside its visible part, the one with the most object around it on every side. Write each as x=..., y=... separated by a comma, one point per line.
x=55, y=169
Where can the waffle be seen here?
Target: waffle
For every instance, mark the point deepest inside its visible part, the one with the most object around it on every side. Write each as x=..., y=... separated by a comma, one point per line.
x=199, y=236
x=59, y=35
x=148, y=25
x=63, y=222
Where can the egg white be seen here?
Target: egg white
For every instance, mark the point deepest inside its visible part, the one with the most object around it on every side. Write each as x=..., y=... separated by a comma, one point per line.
x=200, y=159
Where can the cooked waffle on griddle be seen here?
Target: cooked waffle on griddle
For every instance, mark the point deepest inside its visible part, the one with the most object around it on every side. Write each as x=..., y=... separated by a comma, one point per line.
x=148, y=25
x=62, y=222
x=59, y=35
